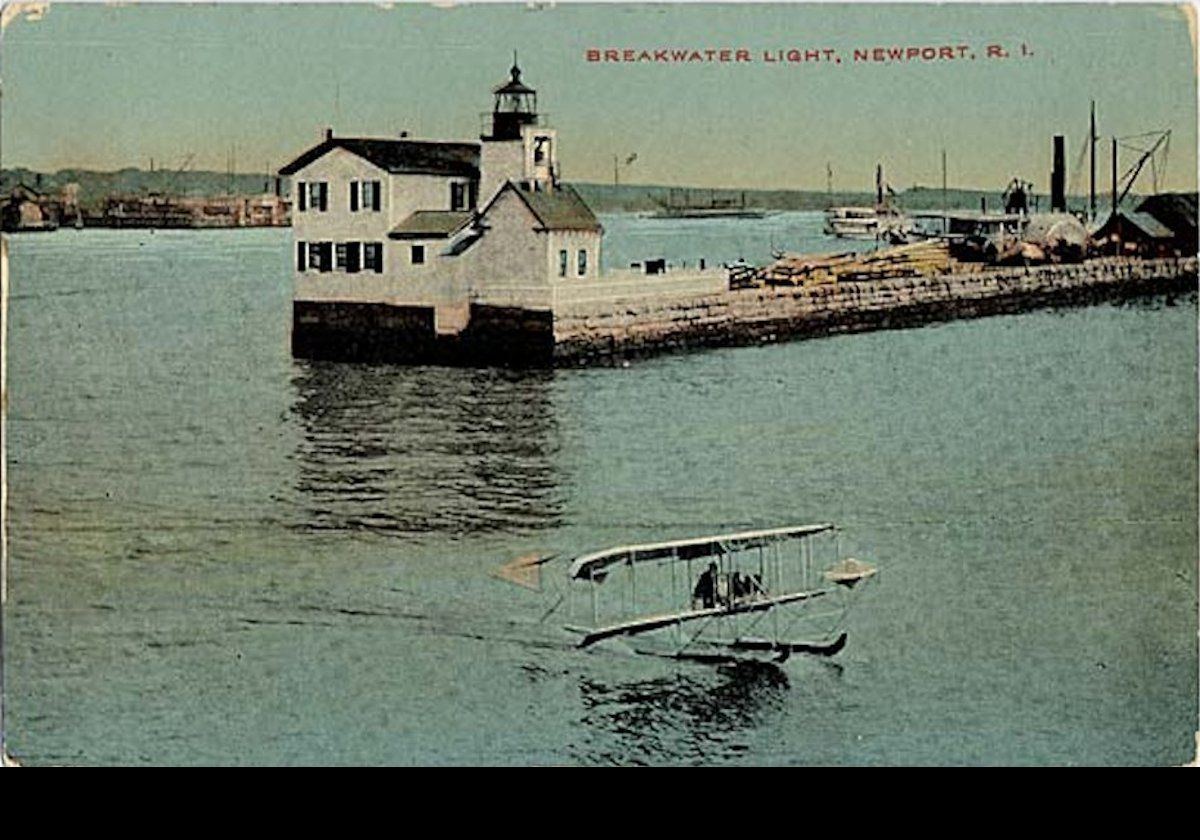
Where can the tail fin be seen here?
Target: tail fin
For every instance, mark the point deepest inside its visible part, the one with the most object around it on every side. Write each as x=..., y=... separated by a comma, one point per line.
x=525, y=571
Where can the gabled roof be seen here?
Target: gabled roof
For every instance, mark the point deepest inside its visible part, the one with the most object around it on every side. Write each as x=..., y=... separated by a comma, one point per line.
x=1149, y=225
x=418, y=157
x=1176, y=211
x=23, y=190
x=1143, y=222
x=430, y=224
x=555, y=207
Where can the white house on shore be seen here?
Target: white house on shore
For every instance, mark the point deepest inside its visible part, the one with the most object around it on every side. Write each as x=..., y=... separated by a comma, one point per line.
x=396, y=238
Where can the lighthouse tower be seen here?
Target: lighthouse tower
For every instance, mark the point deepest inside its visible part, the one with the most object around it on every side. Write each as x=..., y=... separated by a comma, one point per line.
x=518, y=148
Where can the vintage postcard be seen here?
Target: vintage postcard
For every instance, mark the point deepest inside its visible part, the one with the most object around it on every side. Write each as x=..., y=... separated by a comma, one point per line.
x=574, y=384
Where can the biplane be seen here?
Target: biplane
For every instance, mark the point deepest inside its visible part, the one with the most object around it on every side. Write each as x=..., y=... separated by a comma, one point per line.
x=728, y=597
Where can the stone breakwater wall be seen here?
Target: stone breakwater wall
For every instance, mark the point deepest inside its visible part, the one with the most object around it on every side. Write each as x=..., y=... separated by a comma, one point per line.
x=751, y=316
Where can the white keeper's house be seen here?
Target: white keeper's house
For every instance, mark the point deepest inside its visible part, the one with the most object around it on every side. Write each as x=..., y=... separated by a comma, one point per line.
x=421, y=250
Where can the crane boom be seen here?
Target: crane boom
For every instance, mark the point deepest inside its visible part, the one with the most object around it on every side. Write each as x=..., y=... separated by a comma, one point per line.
x=1132, y=173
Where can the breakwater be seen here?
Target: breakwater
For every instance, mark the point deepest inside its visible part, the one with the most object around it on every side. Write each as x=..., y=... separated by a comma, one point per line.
x=599, y=330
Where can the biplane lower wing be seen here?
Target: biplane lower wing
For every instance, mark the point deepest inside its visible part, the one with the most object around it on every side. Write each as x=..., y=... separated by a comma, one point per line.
x=658, y=622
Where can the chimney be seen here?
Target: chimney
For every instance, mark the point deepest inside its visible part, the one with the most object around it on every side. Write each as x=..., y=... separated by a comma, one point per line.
x=403, y=135
x=328, y=133
x=1058, y=177
x=278, y=186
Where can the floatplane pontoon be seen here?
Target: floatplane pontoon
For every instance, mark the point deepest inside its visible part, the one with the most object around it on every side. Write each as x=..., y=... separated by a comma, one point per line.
x=720, y=598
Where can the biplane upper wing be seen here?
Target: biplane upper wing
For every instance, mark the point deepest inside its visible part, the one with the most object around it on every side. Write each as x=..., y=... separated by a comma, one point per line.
x=690, y=549
x=657, y=622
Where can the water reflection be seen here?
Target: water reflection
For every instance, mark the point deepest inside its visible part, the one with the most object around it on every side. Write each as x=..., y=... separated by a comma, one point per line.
x=700, y=716
x=423, y=450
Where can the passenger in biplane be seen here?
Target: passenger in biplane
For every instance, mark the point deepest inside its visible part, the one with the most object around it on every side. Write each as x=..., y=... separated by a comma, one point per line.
x=705, y=593
x=714, y=589
x=746, y=586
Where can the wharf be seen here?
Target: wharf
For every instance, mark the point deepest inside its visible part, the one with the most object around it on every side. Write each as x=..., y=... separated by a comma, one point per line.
x=599, y=323
x=764, y=314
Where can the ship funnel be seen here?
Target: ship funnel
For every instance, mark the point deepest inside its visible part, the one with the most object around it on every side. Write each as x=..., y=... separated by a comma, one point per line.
x=1058, y=176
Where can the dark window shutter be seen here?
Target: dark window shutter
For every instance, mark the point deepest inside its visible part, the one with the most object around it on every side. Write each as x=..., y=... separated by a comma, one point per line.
x=326, y=255
x=354, y=196
x=301, y=255
x=352, y=257
x=301, y=195
x=374, y=195
x=324, y=196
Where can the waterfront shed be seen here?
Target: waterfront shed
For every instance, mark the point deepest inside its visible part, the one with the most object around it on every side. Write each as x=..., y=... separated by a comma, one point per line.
x=1177, y=213
x=1132, y=233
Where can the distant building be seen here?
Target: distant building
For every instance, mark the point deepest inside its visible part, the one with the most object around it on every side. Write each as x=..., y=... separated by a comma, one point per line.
x=26, y=209
x=1132, y=233
x=1162, y=225
x=399, y=241
x=169, y=211
x=1177, y=213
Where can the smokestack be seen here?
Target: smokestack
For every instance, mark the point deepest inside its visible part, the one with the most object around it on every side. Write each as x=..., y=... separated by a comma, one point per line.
x=879, y=184
x=1058, y=176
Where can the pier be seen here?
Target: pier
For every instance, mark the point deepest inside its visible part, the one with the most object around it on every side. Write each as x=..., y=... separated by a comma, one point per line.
x=602, y=322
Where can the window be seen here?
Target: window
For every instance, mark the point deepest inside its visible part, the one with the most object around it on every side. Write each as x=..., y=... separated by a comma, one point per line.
x=418, y=255
x=339, y=251
x=318, y=195
x=458, y=196
x=369, y=193
x=302, y=195
x=320, y=256
x=562, y=263
x=582, y=262
x=373, y=257
x=301, y=256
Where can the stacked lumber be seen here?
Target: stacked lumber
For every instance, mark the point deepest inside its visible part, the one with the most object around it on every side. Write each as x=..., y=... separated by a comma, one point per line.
x=917, y=259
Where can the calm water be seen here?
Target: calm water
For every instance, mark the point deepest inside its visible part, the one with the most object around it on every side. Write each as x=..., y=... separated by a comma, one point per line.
x=222, y=555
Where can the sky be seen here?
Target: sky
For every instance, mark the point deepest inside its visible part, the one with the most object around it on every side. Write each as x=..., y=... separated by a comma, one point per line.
x=111, y=86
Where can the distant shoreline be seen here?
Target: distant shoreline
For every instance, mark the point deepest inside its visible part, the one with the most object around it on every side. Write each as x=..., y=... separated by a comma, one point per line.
x=95, y=186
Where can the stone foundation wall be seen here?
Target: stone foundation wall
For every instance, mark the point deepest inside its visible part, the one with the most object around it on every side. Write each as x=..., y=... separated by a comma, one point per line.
x=754, y=315
x=377, y=332
x=362, y=332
